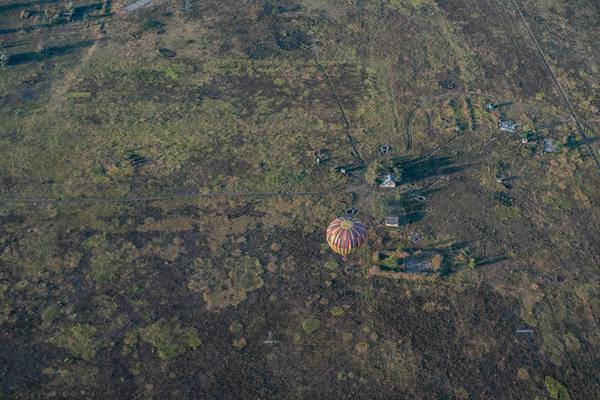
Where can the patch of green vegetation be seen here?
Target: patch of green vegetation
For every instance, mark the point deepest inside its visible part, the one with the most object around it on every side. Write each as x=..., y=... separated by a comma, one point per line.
x=107, y=258
x=504, y=212
x=571, y=342
x=283, y=179
x=99, y=174
x=171, y=73
x=50, y=314
x=406, y=6
x=368, y=295
x=332, y=265
x=556, y=389
x=472, y=263
x=472, y=114
x=558, y=201
x=376, y=170
x=342, y=376
x=228, y=283
x=362, y=347
x=79, y=95
x=106, y=307
x=310, y=325
x=457, y=109
x=398, y=361
x=153, y=25
x=235, y=327
x=392, y=262
x=552, y=343
x=338, y=311
x=78, y=339
x=373, y=171
x=168, y=339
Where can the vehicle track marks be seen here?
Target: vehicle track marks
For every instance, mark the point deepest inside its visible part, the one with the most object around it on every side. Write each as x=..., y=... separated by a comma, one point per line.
x=355, y=152
x=581, y=128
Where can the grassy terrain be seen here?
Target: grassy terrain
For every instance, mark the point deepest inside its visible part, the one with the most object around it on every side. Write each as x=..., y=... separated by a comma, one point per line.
x=162, y=215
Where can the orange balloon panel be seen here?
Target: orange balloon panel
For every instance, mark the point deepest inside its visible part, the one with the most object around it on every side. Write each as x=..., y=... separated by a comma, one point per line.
x=345, y=234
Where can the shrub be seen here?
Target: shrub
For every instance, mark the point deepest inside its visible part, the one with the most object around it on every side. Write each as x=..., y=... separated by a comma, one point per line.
x=169, y=339
x=556, y=389
x=391, y=262
x=310, y=325
x=78, y=340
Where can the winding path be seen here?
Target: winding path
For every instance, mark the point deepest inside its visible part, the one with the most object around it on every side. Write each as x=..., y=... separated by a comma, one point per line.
x=355, y=152
x=429, y=100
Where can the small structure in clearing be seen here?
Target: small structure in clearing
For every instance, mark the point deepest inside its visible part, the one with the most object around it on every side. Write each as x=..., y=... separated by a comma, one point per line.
x=388, y=182
x=549, y=146
x=385, y=149
x=392, y=222
x=508, y=126
x=401, y=264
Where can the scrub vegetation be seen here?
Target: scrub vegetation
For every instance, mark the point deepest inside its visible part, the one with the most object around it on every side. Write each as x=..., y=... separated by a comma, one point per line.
x=167, y=175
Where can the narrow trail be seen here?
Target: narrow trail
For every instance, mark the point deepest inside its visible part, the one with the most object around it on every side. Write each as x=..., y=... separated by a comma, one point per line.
x=392, y=94
x=423, y=103
x=167, y=196
x=58, y=96
x=355, y=152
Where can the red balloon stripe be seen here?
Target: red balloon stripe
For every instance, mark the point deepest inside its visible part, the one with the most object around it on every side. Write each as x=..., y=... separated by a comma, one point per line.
x=343, y=240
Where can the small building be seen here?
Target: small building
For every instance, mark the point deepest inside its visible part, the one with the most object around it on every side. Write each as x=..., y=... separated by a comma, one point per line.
x=388, y=182
x=423, y=262
x=320, y=156
x=508, y=126
x=392, y=222
x=549, y=146
x=385, y=149
x=489, y=107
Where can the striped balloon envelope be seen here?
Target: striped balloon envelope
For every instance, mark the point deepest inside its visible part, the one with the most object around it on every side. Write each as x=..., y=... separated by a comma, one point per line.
x=345, y=234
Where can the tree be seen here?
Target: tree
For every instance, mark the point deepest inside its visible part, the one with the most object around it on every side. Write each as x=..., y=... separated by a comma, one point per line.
x=372, y=172
x=391, y=262
x=397, y=174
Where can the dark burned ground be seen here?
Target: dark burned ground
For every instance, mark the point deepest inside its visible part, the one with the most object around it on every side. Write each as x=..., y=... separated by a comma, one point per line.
x=237, y=296
x=404, y=338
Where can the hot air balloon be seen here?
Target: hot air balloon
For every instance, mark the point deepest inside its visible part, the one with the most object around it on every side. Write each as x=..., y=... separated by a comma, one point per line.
x=345, y=234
